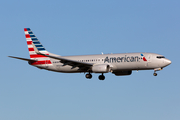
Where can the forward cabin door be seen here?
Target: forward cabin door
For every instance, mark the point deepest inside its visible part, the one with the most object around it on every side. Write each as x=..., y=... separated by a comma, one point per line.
x=149, y=60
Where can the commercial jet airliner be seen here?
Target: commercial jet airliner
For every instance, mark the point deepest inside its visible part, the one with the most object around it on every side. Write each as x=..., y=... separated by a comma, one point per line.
x=118, y=64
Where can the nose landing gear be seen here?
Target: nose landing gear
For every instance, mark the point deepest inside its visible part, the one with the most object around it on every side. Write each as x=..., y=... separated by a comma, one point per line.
x=155, y=74
x=157, y=69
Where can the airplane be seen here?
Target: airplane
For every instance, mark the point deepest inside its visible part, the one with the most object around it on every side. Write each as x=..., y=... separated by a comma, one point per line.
x=119, y=64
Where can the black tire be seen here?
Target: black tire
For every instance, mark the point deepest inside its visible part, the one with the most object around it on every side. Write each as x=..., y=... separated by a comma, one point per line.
x=88, y=76
x=101, y=77
x=155, y=74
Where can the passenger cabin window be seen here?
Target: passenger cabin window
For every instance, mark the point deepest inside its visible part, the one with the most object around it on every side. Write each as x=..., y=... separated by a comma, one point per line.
x=159, y=57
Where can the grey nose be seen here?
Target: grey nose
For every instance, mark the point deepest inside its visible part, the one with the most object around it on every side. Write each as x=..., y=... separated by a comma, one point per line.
x=166, y=61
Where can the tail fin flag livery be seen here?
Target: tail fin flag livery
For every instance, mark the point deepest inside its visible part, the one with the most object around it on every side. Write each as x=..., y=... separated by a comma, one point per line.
x=33, y=43
x=32, y=39
x=119, y=64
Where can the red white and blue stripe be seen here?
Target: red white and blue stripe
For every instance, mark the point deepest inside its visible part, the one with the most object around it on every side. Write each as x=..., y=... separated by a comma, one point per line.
x=32, y=39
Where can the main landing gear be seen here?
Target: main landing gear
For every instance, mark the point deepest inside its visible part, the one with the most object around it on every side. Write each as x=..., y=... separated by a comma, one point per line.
x=101, y=77
x=89, y=76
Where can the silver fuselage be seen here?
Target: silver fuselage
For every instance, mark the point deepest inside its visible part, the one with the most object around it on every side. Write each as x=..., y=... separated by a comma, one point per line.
x=117, y=62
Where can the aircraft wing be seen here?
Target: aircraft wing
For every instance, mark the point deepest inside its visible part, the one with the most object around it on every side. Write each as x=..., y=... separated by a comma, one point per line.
x=25, y=59
x=70, y=62
x=65, y=61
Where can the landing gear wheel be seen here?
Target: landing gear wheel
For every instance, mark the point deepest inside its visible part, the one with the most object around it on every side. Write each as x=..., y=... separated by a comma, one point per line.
x=88, y=76
x=101, y=77
x=155, y=74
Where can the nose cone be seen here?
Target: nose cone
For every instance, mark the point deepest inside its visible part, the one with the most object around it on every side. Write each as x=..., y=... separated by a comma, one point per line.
x=167, y=62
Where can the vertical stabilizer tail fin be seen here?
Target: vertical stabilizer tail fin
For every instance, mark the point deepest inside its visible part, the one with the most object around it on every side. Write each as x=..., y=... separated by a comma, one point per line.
x=34, y=44
x=32, y=39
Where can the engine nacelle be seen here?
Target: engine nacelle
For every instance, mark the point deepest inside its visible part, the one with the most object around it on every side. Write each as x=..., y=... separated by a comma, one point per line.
x=121, y=73
x=100, y=68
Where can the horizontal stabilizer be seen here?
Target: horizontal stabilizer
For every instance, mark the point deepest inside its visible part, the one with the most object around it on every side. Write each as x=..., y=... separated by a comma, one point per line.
x=25, y=59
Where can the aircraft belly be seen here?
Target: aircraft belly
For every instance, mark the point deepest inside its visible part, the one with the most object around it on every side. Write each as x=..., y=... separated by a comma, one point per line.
x=132, y=66
x=125, y=66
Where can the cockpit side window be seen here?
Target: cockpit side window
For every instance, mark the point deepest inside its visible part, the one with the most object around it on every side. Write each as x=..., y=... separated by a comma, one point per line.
x=159, y=57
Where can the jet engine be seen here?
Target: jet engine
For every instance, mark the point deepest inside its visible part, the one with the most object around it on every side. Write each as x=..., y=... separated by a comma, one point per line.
x=121, y=73
x=100, y=68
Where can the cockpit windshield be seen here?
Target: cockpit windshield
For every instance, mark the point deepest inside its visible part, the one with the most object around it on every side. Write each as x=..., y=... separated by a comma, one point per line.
x=159, y=57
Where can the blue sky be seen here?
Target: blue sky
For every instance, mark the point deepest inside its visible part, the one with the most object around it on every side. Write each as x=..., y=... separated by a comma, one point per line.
x=89, y=27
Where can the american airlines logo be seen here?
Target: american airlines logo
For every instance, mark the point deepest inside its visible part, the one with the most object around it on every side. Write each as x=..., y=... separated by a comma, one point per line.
x=143, y=57
x=124, y=59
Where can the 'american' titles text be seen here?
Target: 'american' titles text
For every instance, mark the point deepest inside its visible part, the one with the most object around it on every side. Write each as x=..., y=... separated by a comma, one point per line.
x=122, y=59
